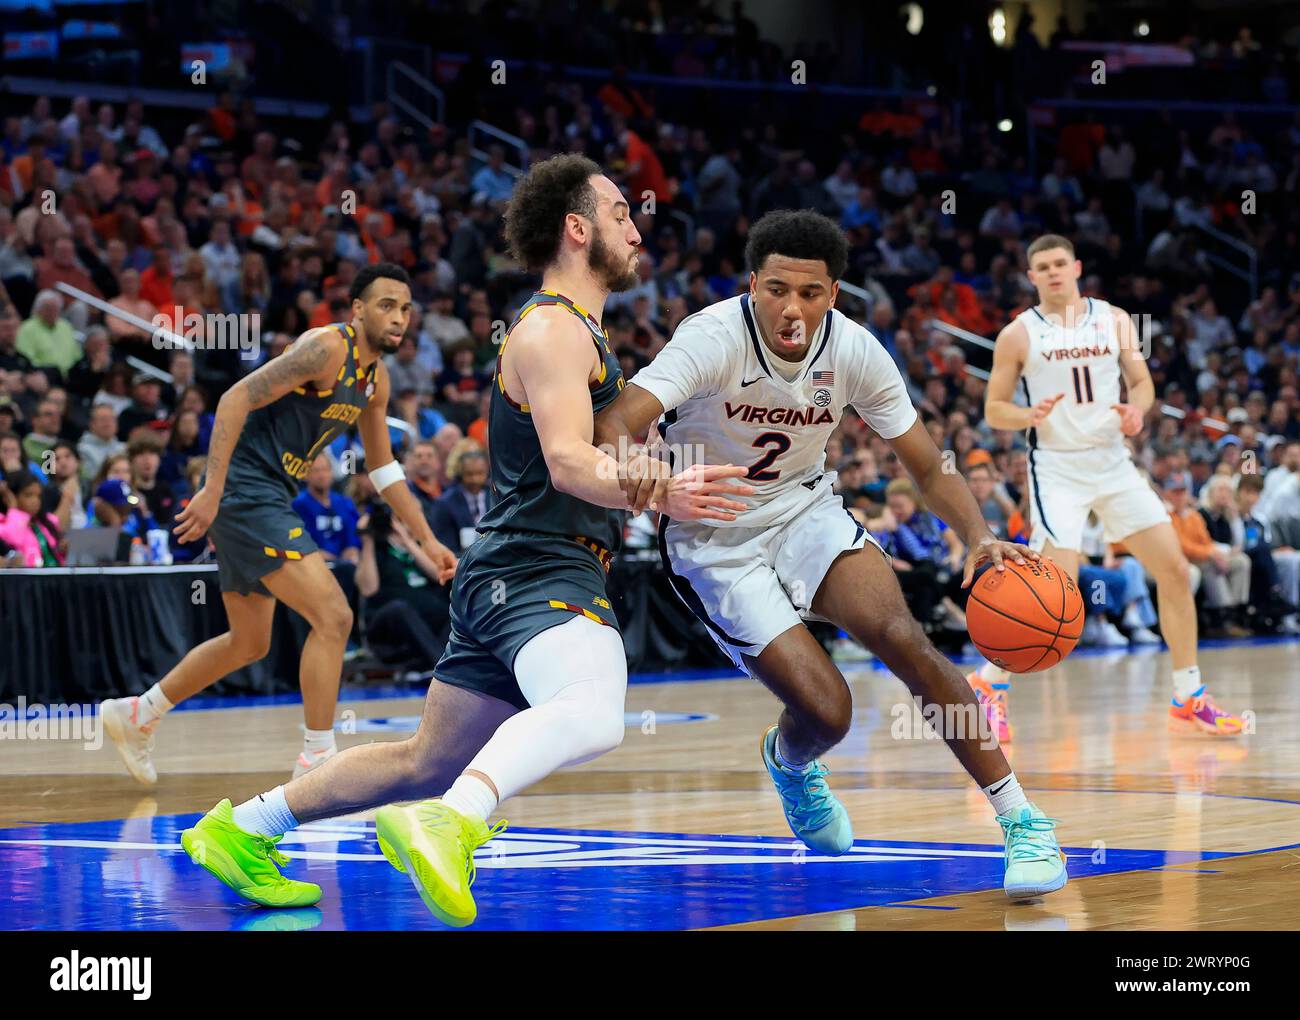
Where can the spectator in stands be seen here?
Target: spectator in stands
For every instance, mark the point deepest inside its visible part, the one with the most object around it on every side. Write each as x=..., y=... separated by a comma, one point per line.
x=100, y=439
x=145, y=407
x=405, y=373
x=87, y=375
x=407, y=611
x=425, y=422
x=492, y=179
x=457, y=511
x=26, y=528
x=183, y=445
x=1281, y=493
x=443, y=324
x=63, y=495
x=1224, y=575
x=13, y=459
x=994, y=504
x=45, y=432
x=423, y=465
x=144, y=453
x=46, y=338
x=460, y=383
x=329, y=516
x=1274, y=573
x=927, y=554
x=61, y=266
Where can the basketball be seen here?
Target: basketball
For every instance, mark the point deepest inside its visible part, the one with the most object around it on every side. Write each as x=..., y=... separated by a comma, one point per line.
x=1025, y=618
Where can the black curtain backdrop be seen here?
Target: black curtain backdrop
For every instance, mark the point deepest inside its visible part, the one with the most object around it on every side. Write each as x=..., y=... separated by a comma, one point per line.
x=86, y=634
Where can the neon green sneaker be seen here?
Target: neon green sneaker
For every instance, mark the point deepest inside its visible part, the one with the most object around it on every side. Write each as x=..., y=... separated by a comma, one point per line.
x=435, y=845
x=245, y=861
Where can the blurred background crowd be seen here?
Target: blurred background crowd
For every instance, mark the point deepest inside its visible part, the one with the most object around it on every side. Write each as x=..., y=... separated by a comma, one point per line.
x=944, y=151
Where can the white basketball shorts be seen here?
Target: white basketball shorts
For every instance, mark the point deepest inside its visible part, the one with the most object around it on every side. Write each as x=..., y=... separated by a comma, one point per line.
x=1064, y=485
x=750, y=585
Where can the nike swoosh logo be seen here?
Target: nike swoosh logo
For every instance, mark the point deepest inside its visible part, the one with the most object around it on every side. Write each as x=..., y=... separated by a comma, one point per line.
x=750, y=382
x=1001, y=787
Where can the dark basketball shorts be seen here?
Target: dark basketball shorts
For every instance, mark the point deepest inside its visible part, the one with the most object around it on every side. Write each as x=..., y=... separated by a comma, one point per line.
x=254, y=537
x=509, y=587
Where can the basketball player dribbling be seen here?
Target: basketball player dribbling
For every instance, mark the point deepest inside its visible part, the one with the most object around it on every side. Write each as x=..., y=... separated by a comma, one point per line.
x=763, y=379
x=269, y=427
x=534, y=674
x=1069, y=354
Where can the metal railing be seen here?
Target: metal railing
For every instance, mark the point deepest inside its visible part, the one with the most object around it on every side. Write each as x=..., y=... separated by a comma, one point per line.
x=1250, y=274
x=172, y=340
x=477, y=148
x=397, y=72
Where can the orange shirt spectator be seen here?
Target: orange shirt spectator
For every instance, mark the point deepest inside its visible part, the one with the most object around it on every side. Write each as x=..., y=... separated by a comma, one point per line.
x=644, y=171
x=1193, y=535
x=156, y=282
x=364, y=212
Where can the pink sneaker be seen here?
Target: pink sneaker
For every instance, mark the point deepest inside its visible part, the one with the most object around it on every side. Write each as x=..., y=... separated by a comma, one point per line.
x=1200, y=713
x=994, y=704
x=307, y=762
x=120, y=718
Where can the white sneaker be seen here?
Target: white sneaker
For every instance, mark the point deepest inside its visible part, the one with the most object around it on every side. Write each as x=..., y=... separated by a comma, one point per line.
x=134, y=742
x=1110, y=636
x=1143, y=636
x=1132, y=618
x=306, y=763
x=1289, y=625
x=848, y=650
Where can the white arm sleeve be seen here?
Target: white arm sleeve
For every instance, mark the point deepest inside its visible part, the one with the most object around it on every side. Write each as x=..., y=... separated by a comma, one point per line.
x=879, y=394
x=693, y=364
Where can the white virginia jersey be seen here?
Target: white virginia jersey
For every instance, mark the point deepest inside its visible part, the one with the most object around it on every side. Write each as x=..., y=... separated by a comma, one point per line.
x=725, y=404
x=1083, y=363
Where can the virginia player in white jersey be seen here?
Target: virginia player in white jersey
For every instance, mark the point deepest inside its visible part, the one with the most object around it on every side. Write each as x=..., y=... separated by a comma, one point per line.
x=1068, y=355
x=761, y=381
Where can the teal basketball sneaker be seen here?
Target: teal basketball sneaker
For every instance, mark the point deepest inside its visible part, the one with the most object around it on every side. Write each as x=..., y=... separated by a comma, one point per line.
x=814, y=813
x=1033, y=859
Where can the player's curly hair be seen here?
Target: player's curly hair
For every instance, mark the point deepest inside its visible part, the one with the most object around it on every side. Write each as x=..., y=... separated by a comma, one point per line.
x=798, y=234
x=534, y=220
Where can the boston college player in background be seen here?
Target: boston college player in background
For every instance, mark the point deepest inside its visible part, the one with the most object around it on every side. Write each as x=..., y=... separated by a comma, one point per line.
x=1068, y=353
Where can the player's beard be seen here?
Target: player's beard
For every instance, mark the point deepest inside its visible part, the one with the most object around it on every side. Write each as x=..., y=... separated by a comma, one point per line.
x=610, y=271
x=383, y=341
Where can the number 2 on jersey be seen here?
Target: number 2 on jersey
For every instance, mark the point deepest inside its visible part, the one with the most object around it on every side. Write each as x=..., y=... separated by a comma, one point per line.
x=1082, y=384
x=777, y=443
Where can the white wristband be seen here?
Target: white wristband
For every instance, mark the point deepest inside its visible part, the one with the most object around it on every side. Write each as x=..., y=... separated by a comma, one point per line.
x=389, y=474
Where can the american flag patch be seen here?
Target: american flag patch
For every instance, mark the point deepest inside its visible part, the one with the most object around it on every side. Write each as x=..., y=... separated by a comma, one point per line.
x=823, y=377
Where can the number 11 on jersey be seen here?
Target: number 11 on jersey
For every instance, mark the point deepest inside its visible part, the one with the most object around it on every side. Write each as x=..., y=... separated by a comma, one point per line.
x=1082, y=384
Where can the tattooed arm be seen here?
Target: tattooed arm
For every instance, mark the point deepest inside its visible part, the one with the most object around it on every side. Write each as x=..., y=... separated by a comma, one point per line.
x=315, y=358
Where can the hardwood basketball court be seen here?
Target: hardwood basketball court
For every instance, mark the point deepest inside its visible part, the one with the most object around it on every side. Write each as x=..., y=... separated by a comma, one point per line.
x=680, y=828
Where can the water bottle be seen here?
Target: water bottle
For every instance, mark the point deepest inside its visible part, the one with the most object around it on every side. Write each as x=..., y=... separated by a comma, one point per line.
x=160, y=549
x=139, y=553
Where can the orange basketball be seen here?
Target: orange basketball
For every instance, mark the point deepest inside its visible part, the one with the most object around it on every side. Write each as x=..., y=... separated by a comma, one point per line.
x=1025, y=618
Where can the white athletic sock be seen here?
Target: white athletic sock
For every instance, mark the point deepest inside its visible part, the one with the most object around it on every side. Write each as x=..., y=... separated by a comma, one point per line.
x=1006, y=796
x=472, y=797
x=1187, y=682
x=153, y=705
x=996, y=675
x=317, y=742
x=786, y=762
x=267, y=814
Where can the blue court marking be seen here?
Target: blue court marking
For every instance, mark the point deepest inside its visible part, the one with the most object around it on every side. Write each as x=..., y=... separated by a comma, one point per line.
x=378, y=692
x=132, y=875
